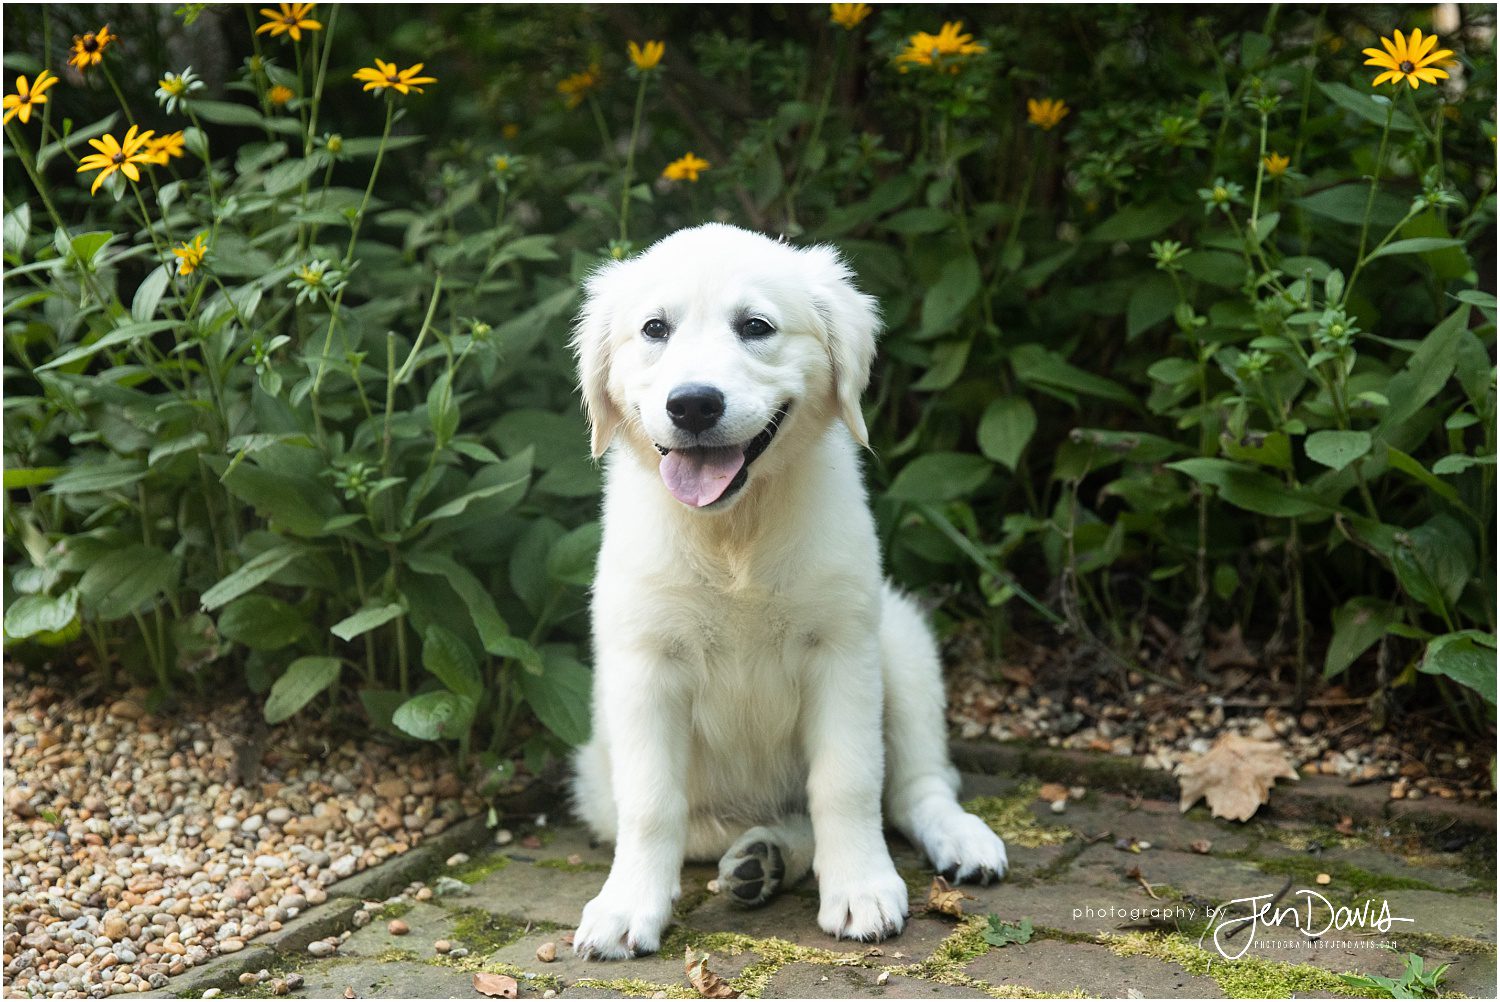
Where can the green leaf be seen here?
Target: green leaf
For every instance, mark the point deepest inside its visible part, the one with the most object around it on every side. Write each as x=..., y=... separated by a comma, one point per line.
x=250, y=574
x=1435, y=562
x=1336, y=449
x=940, y=476
x=304, y=679
x=1363, y=104
x=300, y=505
x=518, y=650
x=1249, y=488
x=365, y=620
x=528, y=562
x=948, y=360
x=950, y=295
x=1467, y=657
x=1152, y=301
x=34, y=615
x=1402, y=463
x=1037, y=366
x=1136, y=222
x=192, y=442
x=1345, y=203
x=458, y=504
x=261, y=623
x=148, y=294
x=1272, y=449
x=226, y=113
x=1416, y=245
x=574, y=556
x=289, y=174
x=919, y=221
x=123, y=334
x=561, y=695
x=1426, y=372
x=86, y=246
x=433, y=716
x=1006, y=426
x=1357, y=624
x=492, y=629
x=449, y=658
x=1004, y=934
x=128, y=579
x=33, y=477
x=442, y=409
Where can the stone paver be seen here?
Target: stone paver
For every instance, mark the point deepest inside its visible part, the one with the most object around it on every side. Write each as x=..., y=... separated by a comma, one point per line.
x=1077, y=894
x=1059, y=967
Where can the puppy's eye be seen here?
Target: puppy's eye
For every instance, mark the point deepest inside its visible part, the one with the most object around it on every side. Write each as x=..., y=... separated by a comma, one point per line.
x=655, y=329
x=756, y=327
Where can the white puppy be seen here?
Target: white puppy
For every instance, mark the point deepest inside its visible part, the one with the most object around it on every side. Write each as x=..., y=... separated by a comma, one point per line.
x=757, y=685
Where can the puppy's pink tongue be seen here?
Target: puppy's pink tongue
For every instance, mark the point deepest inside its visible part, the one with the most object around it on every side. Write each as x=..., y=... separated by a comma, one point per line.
x=701, y=476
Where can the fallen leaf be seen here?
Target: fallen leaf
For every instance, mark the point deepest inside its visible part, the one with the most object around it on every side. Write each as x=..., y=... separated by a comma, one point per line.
x=1229, y=650
x=349, y=992
x=1202, y=846
x=945, y=900
x=496, y=986
x=1002, y=934
x=1345, y=825
x=1235, y=776
x=1019, y=674
x=704, y=981
x=883, y=977
x=1052, y=791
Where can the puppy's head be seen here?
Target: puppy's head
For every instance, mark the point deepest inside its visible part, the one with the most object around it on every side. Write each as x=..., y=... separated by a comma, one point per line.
x=717, y=352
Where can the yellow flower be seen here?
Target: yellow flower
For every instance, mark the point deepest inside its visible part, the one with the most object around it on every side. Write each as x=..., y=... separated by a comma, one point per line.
x=280, y=95
x=115, y=155
x=164, y=147
x=500, y=163
x=648, y=56
x=291, y=19
x=576, y=87
x=88, y=50
x=848, y=15
x=923, y=49
x=685, y=167
x=27, y=96
x=190, y=255
x=1276, y=164
x=1410, y=59
x=510, y=130
x=1046, y=113
x=401, y=81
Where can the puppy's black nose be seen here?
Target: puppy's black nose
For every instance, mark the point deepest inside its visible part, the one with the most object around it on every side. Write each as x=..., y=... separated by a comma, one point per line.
x=695, y=407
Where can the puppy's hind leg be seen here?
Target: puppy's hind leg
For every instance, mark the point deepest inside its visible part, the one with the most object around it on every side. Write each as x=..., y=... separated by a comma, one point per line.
x=766, y=860
x=921, y=785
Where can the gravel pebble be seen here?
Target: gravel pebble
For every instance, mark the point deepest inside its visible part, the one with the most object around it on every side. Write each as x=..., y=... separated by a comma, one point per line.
x=396, y=927
x=155, y=854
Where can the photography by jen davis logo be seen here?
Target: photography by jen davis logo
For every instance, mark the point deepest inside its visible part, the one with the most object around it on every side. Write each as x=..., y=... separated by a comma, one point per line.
x=1313, y=917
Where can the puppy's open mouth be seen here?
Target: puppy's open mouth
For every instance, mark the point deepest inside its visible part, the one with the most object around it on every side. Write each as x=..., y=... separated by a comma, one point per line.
x=699, y=476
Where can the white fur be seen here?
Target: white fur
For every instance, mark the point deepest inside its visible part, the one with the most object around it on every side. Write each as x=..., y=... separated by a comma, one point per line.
x=752, y=669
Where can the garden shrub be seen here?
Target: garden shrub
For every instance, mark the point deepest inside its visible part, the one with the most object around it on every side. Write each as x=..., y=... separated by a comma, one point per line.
x=1186, y=319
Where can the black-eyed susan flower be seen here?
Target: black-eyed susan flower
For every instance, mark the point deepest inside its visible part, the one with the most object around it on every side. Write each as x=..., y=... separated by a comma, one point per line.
x=1046, y=113
x=685, y=167
x=1411, y=59
x=944, y=52
x=279, y=95
x=174, y=89
x=1276, y=164
x=164, y=147
x=118, y=155
x=88, y=49
x=848, y=15
x=575, y=87
x=190, y=255
x=384, y=75
x=646, y=56
x=28, y=95
x=289, y=19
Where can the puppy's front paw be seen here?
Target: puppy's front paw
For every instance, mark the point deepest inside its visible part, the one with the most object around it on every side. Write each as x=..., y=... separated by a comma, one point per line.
x=619, y=924
x=863, y=906
x=963, y=849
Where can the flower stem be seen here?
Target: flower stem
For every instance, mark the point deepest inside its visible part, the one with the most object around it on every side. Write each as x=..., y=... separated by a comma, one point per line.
x=1364, y=229
x=635, y=129
x=23, y=153
x=130, y=115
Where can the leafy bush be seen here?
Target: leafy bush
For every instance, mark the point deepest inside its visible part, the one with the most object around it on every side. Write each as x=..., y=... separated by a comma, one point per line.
x=296, y=407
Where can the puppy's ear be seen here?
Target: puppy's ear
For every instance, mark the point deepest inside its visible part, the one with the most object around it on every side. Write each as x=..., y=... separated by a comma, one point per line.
x=591, y=345
x=851, y=321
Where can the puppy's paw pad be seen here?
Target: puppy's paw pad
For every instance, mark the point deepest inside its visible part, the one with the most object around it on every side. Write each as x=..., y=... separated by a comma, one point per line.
x=751, y=873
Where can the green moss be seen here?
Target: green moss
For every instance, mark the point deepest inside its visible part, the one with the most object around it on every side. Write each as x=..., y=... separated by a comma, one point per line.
x=1248, y=977
x=476, y=870
x=394, y=910
x=1350, y=880
x=475, y=964
x=1011, y=818
x=485, y=932
x=566, y=867
x=393, y=954
x=635, y=988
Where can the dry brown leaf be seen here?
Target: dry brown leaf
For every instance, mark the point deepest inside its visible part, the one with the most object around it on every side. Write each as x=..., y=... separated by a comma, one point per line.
x=1019, y=674
x=496, y=986
x=704, y=981
x=349, y=992
x=946, y=900
x=1235, y=776
x=1052, y=791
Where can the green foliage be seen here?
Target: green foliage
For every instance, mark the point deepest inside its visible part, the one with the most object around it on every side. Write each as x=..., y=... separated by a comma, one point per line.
x=1415, y=982
x=1126, y=364
x=1004, y=934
